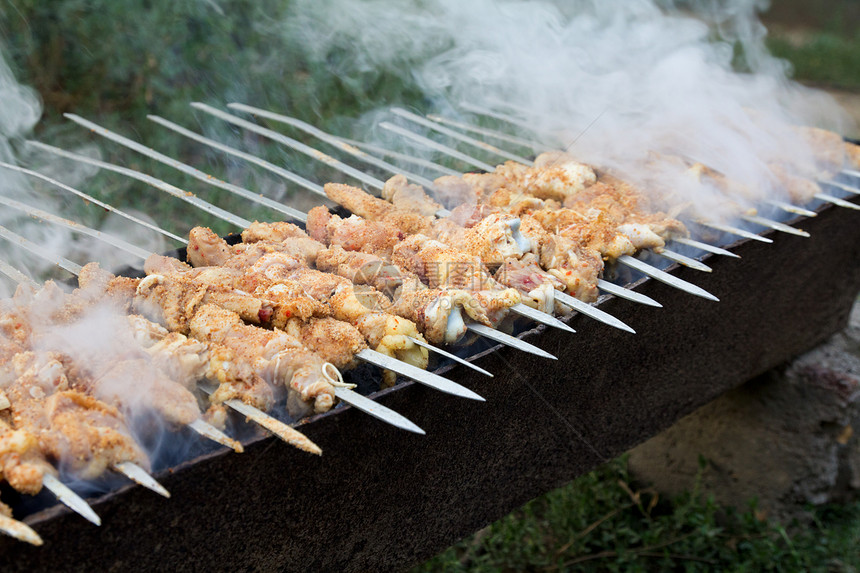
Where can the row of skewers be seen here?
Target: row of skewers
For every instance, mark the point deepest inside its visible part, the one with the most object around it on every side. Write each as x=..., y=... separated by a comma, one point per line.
x=276, y=318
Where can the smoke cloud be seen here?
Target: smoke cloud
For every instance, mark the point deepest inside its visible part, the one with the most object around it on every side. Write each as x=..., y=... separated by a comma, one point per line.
x=612, y=81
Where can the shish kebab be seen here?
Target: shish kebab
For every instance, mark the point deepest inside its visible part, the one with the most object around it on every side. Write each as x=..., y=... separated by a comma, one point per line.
x=239, y=378
x=224, y=215
x=243, y=394
x=240, y=222
x=518, y=308
x=625, y=259
x=176, y=363
x=801, y=184
x=522, y=161
x=53, y=405
x=586, y=309
x=604, y=285
x=352, y=150
x=373, y=182
x=697, y=171
x=179, y=409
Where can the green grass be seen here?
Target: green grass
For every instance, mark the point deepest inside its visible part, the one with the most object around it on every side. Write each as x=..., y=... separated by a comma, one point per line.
x=603, y=522
x=822, y=58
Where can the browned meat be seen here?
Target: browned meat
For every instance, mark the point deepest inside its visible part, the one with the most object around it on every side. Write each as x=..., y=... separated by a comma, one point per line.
x=205, y=248
x=409, y=197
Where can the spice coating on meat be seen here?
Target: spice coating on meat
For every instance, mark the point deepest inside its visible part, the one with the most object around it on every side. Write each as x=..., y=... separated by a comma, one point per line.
x=409, y=197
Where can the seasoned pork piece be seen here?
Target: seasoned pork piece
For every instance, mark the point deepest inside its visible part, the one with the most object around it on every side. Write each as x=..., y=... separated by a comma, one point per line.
x=409, y=197
x=21, y=462
x=170, y=306
x=438, y=265
x=357, y=201
x=829, y=149
x=800, y=190
x=97, y=284
x=554, y=176
x=277, y=356
x=372, y=208
x=81, y=433
x=494, y=239
x=361, y=268
x=571, y=263
x=353, y=233
x=347, y=303
x=304, y=248
x=527, y=276
x=187, y=361
x=273, y=232
x=135, y=384
x=205, y=248
x=440, y=314
x=452, y=191
x=332, y=340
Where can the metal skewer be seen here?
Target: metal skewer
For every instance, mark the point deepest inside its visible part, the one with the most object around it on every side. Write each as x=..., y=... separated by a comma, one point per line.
x=837, y=201
x=70, y=499
x=187, y=169
x=376, y=410
x=401, y=156
x=290, y=142
x=69, y=224
x=157, y=183
x=705, y=247
x=666, y=278
x=843, y=186
x=91, y=199
x=851, y=172
x=19, y=530
x=459, y=136
x=330, y=139
x=207, y=430
x=139, y=476
x=472, y=108
x=626, y=293
x=538, y=316
x=40, y=251
x=453, y=357
x=734, y=231
x=789, y=208
x=18, y=277
x=508, y=340
x=487, y=132
x=421, y=376
x=591, y=311
x=684, y=260
x=288, y=175
x=284, y=431
x=427, y=142
x=774, y=225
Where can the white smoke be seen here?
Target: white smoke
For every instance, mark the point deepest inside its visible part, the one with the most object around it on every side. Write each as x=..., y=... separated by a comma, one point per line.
x=612, y=80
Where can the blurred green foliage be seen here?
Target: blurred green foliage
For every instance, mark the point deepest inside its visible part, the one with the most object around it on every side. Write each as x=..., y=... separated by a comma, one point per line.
x=822, y=58
x=115, y=61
